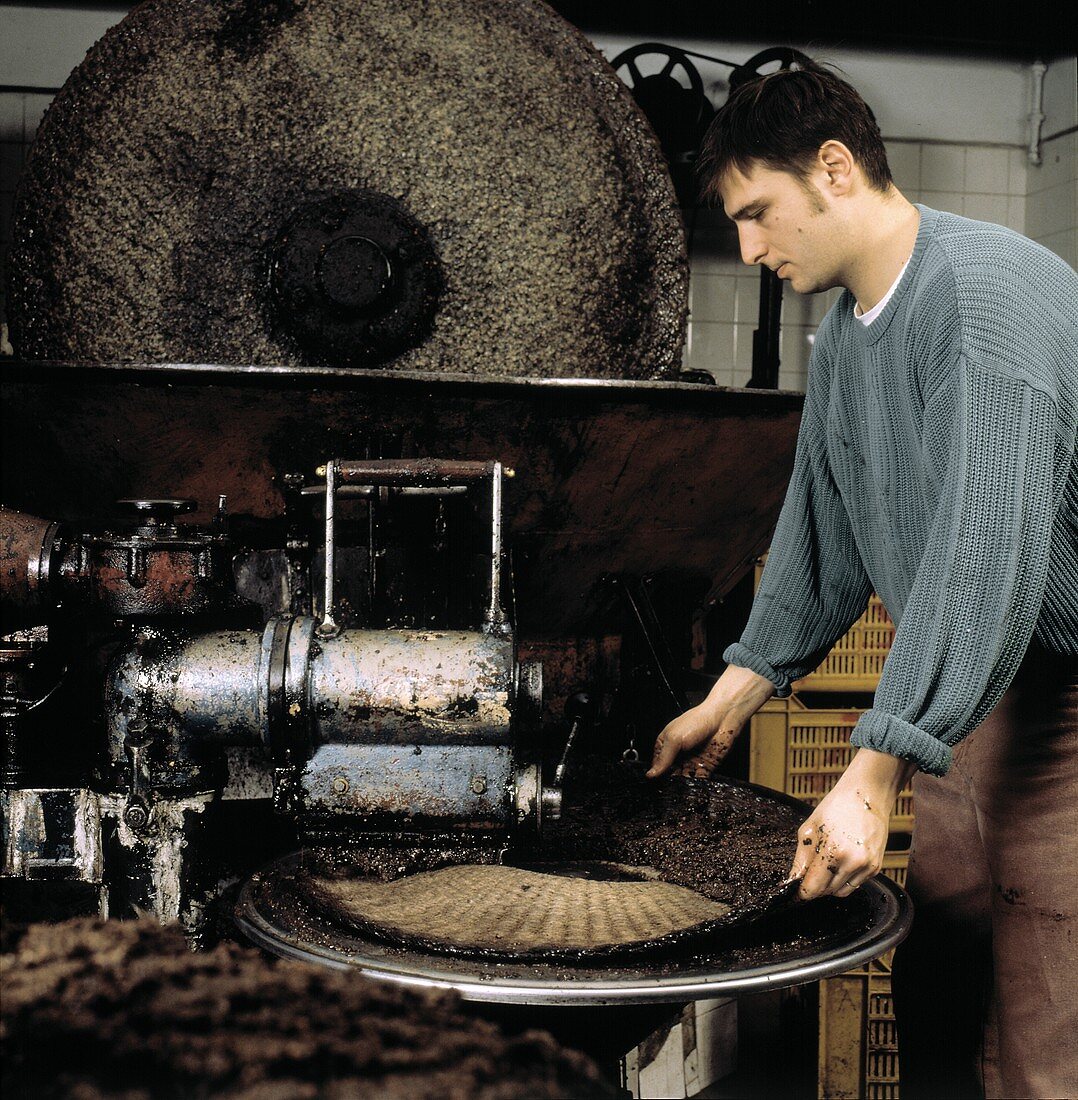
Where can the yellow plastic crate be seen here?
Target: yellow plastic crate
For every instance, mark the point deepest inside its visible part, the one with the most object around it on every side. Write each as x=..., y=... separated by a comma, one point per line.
x=803, y=751
x=856, y=660
x=858, y=1044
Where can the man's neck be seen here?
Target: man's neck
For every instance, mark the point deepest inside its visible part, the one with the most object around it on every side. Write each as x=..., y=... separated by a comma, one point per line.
x=884, y=233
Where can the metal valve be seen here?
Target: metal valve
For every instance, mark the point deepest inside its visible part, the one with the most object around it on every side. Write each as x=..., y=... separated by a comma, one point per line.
x=158, y=516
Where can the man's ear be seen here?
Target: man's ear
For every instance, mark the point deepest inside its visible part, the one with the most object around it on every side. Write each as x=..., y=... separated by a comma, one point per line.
x=835, y=162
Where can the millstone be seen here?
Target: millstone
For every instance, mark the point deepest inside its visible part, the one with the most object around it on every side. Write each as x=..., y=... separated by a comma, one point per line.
x=497, y=204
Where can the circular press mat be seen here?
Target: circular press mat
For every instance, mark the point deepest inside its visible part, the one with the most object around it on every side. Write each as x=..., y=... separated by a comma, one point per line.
x=499, y=911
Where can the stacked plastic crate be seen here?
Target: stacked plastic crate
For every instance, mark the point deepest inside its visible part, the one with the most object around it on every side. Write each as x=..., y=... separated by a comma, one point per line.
x=801, y=745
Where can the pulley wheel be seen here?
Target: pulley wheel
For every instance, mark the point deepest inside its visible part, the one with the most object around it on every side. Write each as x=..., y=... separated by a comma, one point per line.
x=460, y=186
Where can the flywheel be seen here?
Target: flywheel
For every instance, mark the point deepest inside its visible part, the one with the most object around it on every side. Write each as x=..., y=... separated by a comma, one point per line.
x=453, y=186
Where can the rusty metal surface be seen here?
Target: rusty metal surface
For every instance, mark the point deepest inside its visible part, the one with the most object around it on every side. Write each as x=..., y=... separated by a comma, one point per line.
x=380, y=724
x=128, y=579
x=418, y=787
x=189, y=573
x=26, y=550
x=417, y=471
x=610, y=476
x=412, y=687
x=179, y=699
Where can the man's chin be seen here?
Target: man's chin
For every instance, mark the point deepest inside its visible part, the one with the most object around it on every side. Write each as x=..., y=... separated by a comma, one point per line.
x=801, y=284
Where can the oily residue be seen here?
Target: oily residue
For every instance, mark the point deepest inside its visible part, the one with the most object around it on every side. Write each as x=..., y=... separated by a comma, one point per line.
x=727, y=841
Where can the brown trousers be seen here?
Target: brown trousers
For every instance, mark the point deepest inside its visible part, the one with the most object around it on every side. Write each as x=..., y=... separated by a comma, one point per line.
x=986, y=985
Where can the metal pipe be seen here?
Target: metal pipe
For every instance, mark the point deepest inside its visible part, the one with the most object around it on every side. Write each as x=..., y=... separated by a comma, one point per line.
x=28, y=546
x=365, y=492
x=1036, y=116
x=411, y=471
x=410, y=687
x=765, y=340
x=328, y=628
x=496, y=614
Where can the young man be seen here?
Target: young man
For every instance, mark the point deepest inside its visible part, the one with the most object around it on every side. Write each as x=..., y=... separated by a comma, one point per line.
x=936, y=464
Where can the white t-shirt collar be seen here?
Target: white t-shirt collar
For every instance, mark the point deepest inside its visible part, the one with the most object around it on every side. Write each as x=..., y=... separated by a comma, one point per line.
x=878, y=308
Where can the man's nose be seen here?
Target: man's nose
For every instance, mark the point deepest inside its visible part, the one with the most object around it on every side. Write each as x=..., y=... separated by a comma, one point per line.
x=753, y=248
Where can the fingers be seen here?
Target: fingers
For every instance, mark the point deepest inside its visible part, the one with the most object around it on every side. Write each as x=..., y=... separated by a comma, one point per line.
x=683, y=735
x=829, y=864
x=697, y=767
x=851, y=884
x=704, y=763
x=667, y=747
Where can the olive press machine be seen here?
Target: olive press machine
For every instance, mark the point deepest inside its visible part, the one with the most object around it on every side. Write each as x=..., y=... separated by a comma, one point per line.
x=167, y=677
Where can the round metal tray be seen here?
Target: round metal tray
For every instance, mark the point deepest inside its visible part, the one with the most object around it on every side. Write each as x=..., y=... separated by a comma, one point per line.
x=803, y=944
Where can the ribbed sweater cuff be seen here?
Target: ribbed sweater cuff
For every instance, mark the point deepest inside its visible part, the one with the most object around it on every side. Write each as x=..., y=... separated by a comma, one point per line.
x=737, y=654
x=885, y=733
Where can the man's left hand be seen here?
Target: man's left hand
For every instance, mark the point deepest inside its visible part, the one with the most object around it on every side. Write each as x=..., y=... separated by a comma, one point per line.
x=842, y=844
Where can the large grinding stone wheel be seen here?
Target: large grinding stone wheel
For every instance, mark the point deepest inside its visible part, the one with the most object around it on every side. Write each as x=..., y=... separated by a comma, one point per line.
x=455, y=185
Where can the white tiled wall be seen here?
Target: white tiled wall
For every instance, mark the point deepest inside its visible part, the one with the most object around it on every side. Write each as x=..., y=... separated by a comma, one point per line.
x=686, y=1056
x=985, y=182
x=1052, y=204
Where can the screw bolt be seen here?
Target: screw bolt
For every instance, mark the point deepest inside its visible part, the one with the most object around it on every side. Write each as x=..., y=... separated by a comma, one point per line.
x=340, y=785
x=479, y=784
x=136, y=817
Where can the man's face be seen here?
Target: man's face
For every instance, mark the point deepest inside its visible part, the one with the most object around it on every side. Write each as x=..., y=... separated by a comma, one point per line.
x=785, y=223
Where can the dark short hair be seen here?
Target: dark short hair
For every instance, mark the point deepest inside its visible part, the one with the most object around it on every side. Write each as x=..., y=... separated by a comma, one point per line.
x=780, y=120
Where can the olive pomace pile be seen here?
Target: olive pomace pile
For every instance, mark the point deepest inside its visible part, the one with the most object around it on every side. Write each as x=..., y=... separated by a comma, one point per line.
x=114, y=1009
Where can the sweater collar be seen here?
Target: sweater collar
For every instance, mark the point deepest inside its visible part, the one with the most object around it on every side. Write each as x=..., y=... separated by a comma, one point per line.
x=871, y=334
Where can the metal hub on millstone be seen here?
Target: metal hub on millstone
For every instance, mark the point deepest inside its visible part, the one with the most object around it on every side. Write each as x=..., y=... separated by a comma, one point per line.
x=194, y=135
x=356, y=277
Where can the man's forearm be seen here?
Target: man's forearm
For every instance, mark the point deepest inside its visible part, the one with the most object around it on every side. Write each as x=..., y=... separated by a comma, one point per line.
x=880, y=774
x=738, y=691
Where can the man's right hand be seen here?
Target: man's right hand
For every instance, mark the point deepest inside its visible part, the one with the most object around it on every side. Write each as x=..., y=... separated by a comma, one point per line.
x=712, y=725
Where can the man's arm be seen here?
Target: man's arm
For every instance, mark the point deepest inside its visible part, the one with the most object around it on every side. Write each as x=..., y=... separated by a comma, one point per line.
x=814, y=586
x=980, y=583
x=715, y=723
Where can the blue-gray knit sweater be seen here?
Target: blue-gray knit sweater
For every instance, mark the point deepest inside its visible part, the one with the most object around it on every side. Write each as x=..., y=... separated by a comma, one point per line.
x=936, y=463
